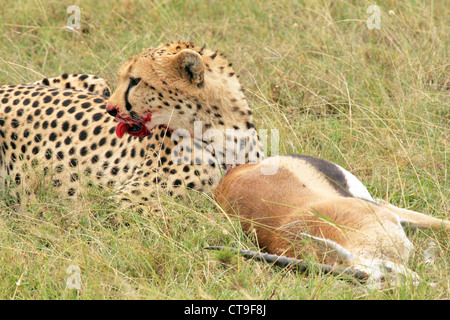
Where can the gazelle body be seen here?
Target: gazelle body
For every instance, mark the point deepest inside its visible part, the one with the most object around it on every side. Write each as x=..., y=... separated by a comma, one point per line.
x=311, y=207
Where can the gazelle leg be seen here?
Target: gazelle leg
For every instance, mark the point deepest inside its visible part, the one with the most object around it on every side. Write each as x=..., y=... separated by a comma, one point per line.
x=414, y=219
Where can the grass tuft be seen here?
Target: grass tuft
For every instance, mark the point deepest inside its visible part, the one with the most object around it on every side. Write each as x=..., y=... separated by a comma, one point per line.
x=373, y=101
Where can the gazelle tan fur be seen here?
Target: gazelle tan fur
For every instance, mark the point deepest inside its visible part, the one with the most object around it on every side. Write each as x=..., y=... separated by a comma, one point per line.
x=314, y=207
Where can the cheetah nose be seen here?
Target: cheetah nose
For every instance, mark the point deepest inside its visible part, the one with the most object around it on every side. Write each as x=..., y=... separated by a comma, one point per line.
x=111, y=109
x=112, y=112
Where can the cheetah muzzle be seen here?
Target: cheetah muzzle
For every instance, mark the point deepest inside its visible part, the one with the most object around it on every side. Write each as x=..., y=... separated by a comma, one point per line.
x=128, y=125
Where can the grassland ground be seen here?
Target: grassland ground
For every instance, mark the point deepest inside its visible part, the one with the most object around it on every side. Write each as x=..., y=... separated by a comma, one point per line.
x=374, y=101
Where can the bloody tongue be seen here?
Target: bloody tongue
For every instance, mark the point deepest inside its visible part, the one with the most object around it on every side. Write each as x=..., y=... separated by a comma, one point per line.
x=121, y=128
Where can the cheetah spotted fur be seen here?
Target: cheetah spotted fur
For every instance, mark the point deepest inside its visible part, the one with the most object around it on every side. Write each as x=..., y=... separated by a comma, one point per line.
x=61, y=126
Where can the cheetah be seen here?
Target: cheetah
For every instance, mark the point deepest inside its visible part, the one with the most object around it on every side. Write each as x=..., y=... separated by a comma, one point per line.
x=67, y=127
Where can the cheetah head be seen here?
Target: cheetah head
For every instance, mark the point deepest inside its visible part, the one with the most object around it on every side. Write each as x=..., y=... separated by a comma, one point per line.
x=174, y=85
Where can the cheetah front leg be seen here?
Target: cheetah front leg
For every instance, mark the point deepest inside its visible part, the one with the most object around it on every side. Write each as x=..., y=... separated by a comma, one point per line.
x=146, y=191
x=151, y=185
x=140, y=197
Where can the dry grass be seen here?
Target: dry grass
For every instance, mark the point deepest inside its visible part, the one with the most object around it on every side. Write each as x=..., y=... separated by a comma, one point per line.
x=373, y=101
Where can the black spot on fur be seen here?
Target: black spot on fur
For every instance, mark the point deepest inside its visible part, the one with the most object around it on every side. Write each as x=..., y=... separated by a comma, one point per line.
x=83, y=135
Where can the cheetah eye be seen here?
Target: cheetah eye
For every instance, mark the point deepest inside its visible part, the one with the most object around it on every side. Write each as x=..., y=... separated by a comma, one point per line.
x=134, y=82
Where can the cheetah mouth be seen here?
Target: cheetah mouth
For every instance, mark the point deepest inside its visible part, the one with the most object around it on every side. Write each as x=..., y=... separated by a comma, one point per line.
x=134, y=126
x=136, y=129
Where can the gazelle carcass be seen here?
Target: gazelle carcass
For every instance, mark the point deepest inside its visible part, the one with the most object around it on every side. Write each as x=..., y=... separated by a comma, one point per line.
x=310, y=206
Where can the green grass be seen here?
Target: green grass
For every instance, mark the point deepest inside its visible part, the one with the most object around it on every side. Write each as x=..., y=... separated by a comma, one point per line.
x=373, y=101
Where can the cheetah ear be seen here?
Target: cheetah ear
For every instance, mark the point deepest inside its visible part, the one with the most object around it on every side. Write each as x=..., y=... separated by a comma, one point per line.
x=190, y=66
